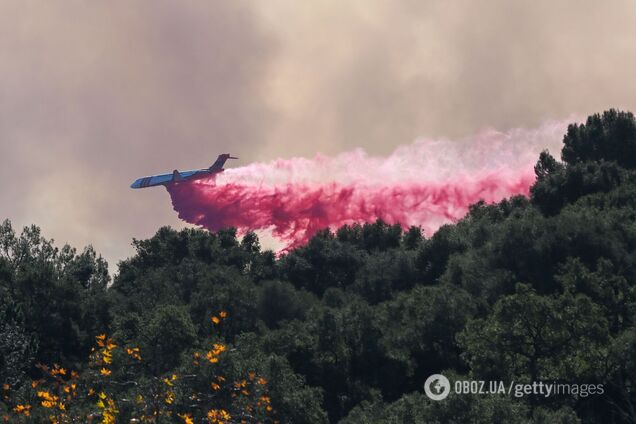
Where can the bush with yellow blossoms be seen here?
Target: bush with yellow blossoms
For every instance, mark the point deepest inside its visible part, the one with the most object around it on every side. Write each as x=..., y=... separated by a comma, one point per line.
x=116, y=387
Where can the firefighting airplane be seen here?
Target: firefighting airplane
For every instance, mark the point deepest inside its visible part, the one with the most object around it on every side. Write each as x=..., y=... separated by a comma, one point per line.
x=176, y=176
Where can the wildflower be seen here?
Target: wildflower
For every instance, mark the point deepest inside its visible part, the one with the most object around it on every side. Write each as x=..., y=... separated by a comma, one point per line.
x=105, y=372
x=216, y=320
x=57, y=370
x=219, y=416
x=169, y=398
x=212, y=355
x=187, y=418
x=23, y=409
x=134, y=353
x=100, y=340
x=223, y=314
x=47, y=399
x=110, y=412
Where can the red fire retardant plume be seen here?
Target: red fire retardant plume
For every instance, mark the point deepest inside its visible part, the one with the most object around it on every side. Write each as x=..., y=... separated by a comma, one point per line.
x=428, y=183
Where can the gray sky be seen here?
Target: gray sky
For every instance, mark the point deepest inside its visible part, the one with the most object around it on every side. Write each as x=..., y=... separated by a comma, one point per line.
x=96, y=94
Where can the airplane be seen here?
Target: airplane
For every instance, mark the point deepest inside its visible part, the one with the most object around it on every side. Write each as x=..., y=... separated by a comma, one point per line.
x=176, y=176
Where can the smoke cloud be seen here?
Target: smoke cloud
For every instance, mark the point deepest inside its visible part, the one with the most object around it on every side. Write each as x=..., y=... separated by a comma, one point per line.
x=428, y=183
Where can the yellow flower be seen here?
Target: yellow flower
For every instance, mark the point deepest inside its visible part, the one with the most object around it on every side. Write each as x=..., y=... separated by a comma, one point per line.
x=215, y=386
x=105, y=372
x=23, y=409
x=215, y=320
x=57, y=370
x=223, y=314
x=212, y=355
x=100, y=340
x=134, y=352
x=47, y=400
x=169, y=398
x=187, y=418
x=218, y=416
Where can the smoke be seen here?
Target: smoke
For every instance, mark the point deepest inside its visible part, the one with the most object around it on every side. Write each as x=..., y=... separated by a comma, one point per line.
x=428, y=183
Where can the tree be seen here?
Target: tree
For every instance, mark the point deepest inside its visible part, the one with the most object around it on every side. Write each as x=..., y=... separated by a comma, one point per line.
x=610, y=136
x=529, y=337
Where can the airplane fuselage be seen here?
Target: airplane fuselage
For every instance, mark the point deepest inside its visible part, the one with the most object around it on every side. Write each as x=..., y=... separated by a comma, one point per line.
x=176, y=176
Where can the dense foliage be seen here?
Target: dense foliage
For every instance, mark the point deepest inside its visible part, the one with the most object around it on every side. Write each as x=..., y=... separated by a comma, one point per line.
x=205, y=326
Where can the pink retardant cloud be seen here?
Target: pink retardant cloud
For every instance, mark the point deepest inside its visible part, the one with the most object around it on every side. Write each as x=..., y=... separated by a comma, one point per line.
x=428, y=183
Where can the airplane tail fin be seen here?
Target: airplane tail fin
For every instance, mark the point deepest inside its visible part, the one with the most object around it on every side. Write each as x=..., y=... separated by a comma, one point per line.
x=220, y=161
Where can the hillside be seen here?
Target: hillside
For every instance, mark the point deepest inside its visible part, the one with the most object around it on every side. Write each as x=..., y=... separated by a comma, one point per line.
x=205, y=326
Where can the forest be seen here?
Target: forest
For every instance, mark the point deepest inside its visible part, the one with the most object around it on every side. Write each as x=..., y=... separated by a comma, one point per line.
x=201, y=327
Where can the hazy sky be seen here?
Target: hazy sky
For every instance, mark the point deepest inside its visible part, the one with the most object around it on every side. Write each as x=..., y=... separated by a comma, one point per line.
x=95, y=94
